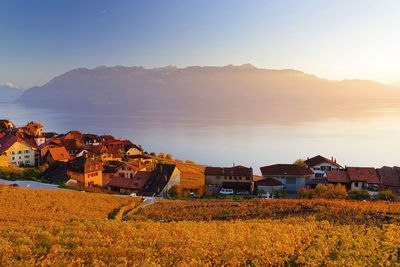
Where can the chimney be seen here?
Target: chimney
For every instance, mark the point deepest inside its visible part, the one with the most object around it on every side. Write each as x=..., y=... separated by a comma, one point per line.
x=332, y=158
x=234, y=164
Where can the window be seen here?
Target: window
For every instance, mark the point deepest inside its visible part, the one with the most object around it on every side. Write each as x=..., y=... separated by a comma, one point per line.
x=26, y=151
x=217, y=177
x=20, y=157
x=13, y=158
x=290, y=180
x=27, y=157
x=247, y=178
x=356, y=184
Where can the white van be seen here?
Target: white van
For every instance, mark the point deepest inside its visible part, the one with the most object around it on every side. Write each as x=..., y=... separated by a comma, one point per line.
x=225, y=191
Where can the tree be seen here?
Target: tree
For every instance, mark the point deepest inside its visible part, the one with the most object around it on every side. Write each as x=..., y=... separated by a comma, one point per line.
x=300, y=162
x=161, y=155
x=168, y=156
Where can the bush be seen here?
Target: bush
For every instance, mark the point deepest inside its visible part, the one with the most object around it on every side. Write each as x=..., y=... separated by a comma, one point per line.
x=303, y=193
x=279, y=194
x=330, y=191
x=358, y=194
x=387, y=195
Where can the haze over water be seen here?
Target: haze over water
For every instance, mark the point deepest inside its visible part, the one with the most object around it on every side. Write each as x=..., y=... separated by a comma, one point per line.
x=371, y=140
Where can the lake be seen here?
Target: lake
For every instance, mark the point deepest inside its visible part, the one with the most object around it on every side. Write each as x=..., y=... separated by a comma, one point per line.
x=369, y=140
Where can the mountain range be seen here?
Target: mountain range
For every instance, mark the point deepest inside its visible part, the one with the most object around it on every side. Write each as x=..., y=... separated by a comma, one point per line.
x=9, y=93
x=236, y=92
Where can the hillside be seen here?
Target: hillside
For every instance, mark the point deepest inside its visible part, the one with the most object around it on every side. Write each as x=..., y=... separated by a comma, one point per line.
x=212, y=93
x=64, y=228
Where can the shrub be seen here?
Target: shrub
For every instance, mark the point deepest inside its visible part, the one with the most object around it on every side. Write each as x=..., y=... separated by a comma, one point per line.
x=358, y=194
x=303, y=193
x=387, y=195
x=330, y=191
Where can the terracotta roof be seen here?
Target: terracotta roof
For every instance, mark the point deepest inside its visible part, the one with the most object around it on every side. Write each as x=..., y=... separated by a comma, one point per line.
x=389, y=176
x=320, y=159
x=72, y=144
x=337, y=177
x=269, y=182
x=286, y=170
x=363, y=174
x=232, y=171
x=136, y=182
x=59, y=153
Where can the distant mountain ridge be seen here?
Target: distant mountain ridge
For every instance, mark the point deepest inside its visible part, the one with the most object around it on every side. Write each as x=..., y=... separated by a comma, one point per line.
x=230, y=91
x=9, y=93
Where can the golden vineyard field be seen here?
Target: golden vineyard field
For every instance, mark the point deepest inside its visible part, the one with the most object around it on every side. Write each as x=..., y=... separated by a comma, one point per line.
x=64, y=228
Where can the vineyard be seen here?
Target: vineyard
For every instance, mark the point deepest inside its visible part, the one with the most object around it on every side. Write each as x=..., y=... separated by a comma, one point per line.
x=65, y=228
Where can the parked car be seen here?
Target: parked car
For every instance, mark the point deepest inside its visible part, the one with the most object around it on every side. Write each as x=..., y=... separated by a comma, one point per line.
x=243, y=193
x=14, y=185
x=225, y=191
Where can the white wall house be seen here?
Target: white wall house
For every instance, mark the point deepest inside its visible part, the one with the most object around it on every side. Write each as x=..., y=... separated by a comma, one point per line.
x=320, y=165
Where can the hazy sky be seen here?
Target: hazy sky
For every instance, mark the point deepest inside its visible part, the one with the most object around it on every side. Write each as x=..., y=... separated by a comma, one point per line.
x=336, y=40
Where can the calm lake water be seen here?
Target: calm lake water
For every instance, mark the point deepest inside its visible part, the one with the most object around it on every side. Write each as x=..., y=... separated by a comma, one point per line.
x=370, y=140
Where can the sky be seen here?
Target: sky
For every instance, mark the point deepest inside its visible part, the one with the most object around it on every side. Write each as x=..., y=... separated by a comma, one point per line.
x=332, y=39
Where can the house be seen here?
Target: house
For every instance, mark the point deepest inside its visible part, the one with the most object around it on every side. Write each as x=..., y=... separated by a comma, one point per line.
x=312, y=184
x=269, y=185
x=32, y=128
x=120, y=146
x=129, y=169
x=125, y=185
x=163, y=177
x=133, y=151
x=390, y=178
x=73, y=146
x=155, y=182
x=73, y=135
x=363, y=177
x=52, y=143
x=292, y=176
x=90, y=139
x=237, y=177
x=85, y=171
x=110, y=170
x=18, y=151
x=355, y=177
x=319, y=165
x=6, y=125
x=56, y=154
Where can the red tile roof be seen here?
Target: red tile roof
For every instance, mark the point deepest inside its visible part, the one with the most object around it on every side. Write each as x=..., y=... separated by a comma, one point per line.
x=363, y=174
x=232, y=171
x=286, y=170
x=320, y=159
x=136, y=182
x=59, y=153
x=269, y=182
x=337, y=177
x=389, y=176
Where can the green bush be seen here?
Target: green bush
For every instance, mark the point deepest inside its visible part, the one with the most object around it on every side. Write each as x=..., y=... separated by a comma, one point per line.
x=358, y=194
x=387, y=195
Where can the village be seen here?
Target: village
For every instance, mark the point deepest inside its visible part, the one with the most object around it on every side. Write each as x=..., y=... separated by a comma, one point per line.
x=119, y=166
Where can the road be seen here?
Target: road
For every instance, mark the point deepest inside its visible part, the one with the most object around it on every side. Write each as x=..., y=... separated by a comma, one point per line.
x=31, y=184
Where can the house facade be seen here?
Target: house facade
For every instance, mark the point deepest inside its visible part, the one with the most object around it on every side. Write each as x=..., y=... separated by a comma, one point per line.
x=320, y=165
x=356, y=177
x=18, y=151
x=85, y=171
x=292, y=176
x=237, y=177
